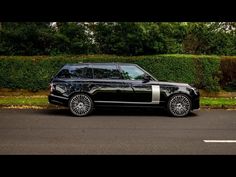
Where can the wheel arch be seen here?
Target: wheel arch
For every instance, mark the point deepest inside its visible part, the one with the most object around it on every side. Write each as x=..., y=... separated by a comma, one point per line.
x=178, y=93
x=79, y=92
x=85, y=94
x=184, y=113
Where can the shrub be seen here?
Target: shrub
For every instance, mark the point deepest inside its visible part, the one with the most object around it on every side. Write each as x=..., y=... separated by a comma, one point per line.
x=228, y=76
x=208, y=72
x=34, y=72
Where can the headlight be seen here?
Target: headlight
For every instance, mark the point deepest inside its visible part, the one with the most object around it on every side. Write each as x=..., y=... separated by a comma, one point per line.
x=195, y=90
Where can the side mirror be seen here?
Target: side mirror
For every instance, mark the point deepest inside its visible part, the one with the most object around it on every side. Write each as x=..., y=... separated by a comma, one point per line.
x=146, y=78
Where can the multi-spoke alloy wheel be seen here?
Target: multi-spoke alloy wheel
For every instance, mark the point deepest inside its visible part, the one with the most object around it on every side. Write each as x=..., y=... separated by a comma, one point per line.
x=179, y=105
x=80, y=105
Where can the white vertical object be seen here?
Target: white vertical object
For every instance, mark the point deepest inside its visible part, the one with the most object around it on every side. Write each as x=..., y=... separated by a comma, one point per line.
x=155, y=94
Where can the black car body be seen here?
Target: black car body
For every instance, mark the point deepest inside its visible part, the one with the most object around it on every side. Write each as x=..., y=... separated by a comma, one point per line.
x=118, y=84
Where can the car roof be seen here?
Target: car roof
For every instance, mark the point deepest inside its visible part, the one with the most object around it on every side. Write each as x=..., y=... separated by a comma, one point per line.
x=98, y=63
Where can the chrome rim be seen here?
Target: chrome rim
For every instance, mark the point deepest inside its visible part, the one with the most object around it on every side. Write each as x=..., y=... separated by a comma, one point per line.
x=80, y=105
x=179, y=105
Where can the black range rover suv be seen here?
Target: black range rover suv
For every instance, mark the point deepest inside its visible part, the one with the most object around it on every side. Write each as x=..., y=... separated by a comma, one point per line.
x=85, y=86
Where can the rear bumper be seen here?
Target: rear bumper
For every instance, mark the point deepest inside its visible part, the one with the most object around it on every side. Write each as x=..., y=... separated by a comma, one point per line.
x=58, y=100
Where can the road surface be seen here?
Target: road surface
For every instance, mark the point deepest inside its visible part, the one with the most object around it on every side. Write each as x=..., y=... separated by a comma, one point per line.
x=117, y=131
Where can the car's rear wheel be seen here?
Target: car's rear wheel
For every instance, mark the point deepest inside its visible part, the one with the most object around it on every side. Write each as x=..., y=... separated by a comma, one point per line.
x=179, y=105
x=81, y=105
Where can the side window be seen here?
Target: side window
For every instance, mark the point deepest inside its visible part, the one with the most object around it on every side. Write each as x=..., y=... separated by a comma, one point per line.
x=65, y=73
x=131, y=72
x=80, y=72
x=88, y=73
x=105, y=72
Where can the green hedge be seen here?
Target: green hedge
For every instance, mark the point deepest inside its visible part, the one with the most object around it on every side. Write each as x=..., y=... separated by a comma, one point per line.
x=228, y=75
x=34, y=72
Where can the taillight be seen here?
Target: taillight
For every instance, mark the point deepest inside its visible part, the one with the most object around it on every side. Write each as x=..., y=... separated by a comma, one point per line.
x=51, y=87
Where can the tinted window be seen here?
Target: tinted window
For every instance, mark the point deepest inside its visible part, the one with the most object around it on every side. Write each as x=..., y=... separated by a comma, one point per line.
x=131, y=72
x=106, y=72
x=76, y=72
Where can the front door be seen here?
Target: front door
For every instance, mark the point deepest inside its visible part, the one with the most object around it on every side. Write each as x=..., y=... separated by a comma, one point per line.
x=143, y=92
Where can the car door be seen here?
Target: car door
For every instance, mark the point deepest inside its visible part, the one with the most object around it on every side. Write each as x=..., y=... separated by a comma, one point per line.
x=108, y=85
x=143, y=91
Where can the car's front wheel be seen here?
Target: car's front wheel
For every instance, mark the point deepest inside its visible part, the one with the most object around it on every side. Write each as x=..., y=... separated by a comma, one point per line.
x=179, y=105
x=81, y=105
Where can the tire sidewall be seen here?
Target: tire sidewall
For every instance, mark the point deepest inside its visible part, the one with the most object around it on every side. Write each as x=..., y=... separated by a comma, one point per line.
x=91, y=106
x=168, y=105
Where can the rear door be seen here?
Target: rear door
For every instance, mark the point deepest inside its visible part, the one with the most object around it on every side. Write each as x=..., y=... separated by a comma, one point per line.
x=108, y=86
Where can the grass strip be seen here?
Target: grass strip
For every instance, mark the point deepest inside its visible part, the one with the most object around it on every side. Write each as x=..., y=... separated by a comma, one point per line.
x=43, y=100
x=23, y=100
x=206, y=101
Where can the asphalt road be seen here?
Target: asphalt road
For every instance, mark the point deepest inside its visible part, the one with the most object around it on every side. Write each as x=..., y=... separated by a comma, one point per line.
x=116, y=132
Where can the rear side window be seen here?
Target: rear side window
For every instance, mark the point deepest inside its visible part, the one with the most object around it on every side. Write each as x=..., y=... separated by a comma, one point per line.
x=106, y=71
x=80, y=72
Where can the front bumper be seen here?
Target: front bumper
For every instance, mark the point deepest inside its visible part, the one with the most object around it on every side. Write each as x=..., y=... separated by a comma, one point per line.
x=196, y=100
x=196, y=103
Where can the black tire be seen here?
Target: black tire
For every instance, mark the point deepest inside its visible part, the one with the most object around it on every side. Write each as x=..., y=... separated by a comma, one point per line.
x=81, y=105
x=179, y=105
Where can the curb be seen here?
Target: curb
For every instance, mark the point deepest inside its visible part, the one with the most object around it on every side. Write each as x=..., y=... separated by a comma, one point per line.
x=62, y=107
x=32, y=107
x=218, y=107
